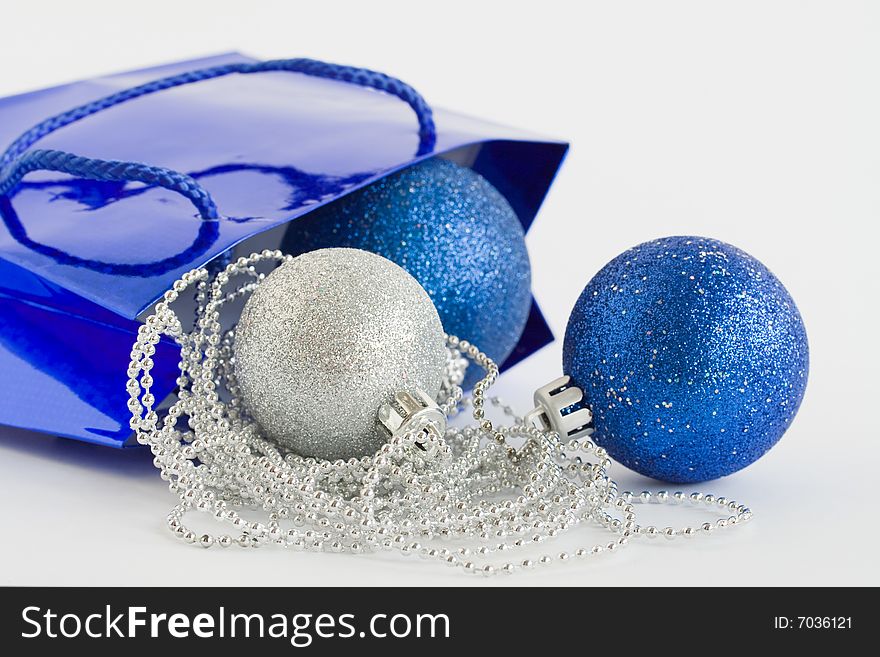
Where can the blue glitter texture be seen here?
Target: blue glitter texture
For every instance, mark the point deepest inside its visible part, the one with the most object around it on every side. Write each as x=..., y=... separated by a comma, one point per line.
x=692, y=356
x=449, y=228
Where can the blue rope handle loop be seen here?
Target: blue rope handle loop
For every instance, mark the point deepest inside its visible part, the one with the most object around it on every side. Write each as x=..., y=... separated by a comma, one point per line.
x=87, y=167
x=17, y=161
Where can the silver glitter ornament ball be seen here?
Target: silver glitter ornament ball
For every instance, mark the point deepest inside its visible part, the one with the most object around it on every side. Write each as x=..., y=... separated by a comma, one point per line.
x=325, y=340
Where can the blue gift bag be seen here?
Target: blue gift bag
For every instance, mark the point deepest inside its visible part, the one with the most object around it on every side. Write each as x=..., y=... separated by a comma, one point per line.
x=112, y=188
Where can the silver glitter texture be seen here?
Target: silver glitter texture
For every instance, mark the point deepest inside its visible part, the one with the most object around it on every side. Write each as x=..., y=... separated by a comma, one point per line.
x=326, y=339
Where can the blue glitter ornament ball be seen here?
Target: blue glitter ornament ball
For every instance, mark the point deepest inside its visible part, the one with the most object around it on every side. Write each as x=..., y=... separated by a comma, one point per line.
x=453, y=232
x=692, y=356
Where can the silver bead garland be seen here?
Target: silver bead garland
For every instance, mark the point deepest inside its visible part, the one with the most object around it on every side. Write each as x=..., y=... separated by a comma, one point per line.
x=416, y=495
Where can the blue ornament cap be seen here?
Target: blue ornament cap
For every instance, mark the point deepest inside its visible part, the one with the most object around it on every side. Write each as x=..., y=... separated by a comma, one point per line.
x=692, y=356
x=453, y=232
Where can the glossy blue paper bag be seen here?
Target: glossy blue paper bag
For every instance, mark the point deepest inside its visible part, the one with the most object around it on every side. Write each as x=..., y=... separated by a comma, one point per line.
x=81, y=259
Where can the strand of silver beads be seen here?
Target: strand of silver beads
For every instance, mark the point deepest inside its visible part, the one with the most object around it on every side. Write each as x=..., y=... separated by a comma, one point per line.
x=415, y=495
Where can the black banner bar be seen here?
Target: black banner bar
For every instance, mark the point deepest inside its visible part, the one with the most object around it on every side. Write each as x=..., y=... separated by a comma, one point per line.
x=401, y=619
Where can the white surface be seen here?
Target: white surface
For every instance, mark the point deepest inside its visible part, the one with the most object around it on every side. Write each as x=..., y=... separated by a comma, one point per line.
x=752, y=122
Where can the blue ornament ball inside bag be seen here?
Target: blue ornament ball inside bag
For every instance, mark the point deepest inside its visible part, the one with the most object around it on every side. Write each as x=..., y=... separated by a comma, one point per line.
x=454, y=232
x=139, y=177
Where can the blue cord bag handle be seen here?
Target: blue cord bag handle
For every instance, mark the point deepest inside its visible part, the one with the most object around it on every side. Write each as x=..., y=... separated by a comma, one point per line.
x=18, y=161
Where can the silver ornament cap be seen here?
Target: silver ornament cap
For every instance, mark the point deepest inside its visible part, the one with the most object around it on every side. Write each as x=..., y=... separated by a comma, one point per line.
x=412, y=411
x=327, y=339
x=558, y=408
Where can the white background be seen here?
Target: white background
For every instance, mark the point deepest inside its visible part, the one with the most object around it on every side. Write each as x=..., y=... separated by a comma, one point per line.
x=754, y=122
